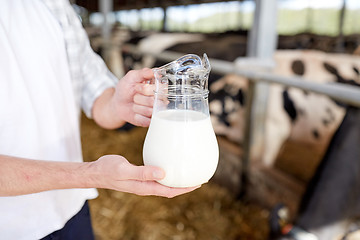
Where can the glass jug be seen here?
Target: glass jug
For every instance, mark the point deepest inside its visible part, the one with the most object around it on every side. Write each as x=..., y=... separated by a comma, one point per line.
x=180, y=138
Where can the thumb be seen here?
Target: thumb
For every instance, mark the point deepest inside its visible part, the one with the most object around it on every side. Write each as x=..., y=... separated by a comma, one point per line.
x=145, y=173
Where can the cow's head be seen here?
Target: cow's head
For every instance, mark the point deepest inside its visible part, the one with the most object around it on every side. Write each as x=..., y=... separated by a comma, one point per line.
x=227, y=99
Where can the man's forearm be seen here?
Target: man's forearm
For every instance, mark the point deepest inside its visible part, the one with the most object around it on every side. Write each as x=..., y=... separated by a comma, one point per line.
x=103, y=111
x=20, y=176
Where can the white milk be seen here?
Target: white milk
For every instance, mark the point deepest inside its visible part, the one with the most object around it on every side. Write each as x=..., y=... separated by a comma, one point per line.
x=183, y=143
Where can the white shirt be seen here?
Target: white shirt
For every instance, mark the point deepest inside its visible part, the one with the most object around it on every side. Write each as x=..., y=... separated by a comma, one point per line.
x=40, y=99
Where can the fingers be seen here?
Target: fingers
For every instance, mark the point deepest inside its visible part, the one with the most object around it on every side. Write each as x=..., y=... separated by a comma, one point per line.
x=147, y=74
x=143, y=75
x=142, y=110
x=143, y=173
x=145, y=89
x=142, y=182
x=142, y=121
x=144, y=100
x=151, y=188
x=157, y=189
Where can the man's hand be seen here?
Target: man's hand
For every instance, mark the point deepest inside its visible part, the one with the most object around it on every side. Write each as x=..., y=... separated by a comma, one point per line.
x=131, y=101
x=115, y=172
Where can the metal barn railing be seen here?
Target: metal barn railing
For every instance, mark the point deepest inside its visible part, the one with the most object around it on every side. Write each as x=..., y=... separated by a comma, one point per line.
x=338, y=91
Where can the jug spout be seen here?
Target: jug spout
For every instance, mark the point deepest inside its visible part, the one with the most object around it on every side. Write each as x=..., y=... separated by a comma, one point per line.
x=206, y=62
x=188, y=62
x=191, y=63
x=189, y=70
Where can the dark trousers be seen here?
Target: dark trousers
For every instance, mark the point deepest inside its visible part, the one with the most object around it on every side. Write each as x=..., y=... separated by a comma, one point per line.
x=77, y=228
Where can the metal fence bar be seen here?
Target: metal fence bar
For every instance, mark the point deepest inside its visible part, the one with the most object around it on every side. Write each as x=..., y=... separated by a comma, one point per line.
x=338, y=91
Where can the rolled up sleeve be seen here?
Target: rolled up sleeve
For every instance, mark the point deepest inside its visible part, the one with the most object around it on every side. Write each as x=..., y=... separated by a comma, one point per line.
x=90, y=74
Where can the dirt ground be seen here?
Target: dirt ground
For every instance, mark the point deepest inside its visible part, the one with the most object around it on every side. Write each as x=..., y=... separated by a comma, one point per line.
x=210, y=212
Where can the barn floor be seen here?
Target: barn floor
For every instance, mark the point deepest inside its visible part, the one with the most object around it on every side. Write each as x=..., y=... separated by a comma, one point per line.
x=210, y=212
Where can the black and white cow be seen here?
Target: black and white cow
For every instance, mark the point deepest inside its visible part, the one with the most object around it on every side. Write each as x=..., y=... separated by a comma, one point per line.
x=332, y=200
x=330, y=207
x=301, y=116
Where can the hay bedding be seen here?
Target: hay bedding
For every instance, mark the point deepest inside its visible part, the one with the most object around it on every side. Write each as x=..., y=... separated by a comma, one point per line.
x=205, y=214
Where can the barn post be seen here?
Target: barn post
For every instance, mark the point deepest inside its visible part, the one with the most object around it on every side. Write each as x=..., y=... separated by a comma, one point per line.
x=340, y=40
x=164, y=23
x=262, y=43
x=106, y=7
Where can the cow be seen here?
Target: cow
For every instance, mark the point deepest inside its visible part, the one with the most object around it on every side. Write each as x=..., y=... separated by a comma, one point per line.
x=323, y=210
x=330, y=207
x=293, y=114
x=306, y=117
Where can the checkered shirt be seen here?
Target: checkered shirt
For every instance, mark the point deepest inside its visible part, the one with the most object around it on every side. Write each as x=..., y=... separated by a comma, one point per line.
x=90, y=76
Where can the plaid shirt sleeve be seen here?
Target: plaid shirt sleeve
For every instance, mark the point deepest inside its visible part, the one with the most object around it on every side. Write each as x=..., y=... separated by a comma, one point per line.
x=90, y=75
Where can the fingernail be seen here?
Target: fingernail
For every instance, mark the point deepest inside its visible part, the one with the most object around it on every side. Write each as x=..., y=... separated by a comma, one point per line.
x=158, y=174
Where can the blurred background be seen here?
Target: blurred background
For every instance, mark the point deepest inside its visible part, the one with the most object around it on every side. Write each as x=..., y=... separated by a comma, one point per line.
x=321, y=17
x=273, y=133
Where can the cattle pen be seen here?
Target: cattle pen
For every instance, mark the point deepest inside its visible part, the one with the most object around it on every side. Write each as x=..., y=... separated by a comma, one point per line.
x=242, y=170
x=260, y=74
x=257, y=67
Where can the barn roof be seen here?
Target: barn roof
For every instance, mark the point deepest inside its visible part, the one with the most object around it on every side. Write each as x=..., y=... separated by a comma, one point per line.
x=93, y=6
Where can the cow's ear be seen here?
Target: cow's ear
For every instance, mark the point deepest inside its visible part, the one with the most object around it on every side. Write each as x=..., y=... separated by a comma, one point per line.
x=330, y=68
